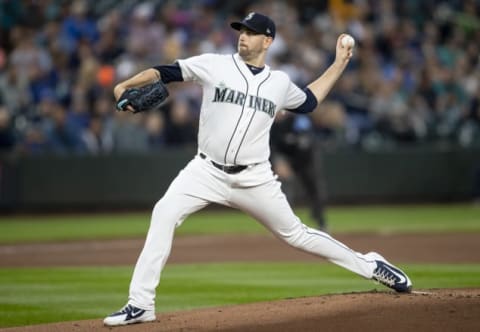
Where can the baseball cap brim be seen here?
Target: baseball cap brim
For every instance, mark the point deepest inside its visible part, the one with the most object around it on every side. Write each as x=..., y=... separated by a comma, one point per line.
x=239, y=25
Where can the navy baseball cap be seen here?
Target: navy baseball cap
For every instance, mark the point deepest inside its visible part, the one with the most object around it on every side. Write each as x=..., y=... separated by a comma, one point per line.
x=256, y=22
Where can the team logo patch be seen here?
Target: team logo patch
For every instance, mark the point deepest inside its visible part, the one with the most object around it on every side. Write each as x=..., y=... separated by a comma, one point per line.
x=249, y=16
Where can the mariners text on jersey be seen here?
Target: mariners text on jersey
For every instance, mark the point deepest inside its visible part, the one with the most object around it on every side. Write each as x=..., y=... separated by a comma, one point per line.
x=224, y=94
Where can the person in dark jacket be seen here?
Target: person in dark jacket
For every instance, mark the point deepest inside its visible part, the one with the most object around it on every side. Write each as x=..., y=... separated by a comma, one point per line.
x=295, y=154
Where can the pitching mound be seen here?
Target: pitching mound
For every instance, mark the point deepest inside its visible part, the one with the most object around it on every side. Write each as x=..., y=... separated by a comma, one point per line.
x=431, y=310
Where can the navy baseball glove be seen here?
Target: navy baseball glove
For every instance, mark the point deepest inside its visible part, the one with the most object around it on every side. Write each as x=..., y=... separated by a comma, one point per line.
x=143, y=99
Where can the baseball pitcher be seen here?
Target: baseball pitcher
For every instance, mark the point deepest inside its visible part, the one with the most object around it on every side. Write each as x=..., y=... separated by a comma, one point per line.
x=241, y=96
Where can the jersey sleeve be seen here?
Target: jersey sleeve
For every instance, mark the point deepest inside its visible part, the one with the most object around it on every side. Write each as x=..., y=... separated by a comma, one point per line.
x=308, y=105
x=197, y=68
x=294, y=96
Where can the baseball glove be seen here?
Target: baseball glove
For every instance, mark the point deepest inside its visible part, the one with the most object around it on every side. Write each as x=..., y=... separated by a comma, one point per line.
x=143, y=99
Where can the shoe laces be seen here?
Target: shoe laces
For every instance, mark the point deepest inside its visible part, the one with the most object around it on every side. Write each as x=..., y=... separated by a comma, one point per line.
x=127, y=309
x=384, y=276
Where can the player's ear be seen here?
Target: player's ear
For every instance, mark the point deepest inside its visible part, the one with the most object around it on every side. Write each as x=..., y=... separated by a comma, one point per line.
x=267, y=41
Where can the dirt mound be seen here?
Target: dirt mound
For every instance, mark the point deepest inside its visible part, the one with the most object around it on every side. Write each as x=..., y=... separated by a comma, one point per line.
x=431, y=310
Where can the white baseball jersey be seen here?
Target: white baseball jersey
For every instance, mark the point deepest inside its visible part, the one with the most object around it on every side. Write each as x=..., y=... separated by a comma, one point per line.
x=237, y=112
x=238, y=107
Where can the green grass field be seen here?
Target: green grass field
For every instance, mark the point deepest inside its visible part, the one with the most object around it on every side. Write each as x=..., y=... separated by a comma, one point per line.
x=39, y=295
x=34, y=296
x=381, y=219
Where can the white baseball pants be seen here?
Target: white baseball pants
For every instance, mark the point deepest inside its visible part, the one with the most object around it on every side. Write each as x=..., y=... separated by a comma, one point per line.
x=254, y=191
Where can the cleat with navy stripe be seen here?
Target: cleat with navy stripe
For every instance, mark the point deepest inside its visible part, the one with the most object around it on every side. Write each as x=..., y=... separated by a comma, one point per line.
x=389, y=275
x=129, y=315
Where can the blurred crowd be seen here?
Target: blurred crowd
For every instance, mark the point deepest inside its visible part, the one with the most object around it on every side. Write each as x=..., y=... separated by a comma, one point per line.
x=414, y=78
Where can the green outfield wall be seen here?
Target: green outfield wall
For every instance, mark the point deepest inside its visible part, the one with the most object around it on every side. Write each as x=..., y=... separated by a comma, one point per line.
x=138, y=180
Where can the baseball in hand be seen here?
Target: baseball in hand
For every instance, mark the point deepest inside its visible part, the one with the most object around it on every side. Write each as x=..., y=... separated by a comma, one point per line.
x=348, y=41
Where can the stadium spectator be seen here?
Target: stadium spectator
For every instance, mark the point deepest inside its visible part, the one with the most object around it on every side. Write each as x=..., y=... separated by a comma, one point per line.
x=155, y=124
x=78, y=27
x=62, y=136
x=181, y=130
x=129, y=134
x=95, y=138
x=14, y=93
x=7, y=134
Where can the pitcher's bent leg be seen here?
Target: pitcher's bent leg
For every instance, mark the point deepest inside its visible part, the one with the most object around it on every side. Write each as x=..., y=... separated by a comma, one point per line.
x=267, y=204
x=194, y=188
x=168, y=213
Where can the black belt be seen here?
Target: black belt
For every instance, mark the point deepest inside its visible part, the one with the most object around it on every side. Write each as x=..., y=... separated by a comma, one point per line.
x=227, y=169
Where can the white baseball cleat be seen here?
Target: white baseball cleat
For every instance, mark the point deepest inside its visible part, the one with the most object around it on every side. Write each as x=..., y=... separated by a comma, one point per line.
x=129, y=315
x=390, y=275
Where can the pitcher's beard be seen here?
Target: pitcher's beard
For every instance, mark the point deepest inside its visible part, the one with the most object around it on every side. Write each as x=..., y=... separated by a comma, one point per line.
x=246, y=54
x=243, y=52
